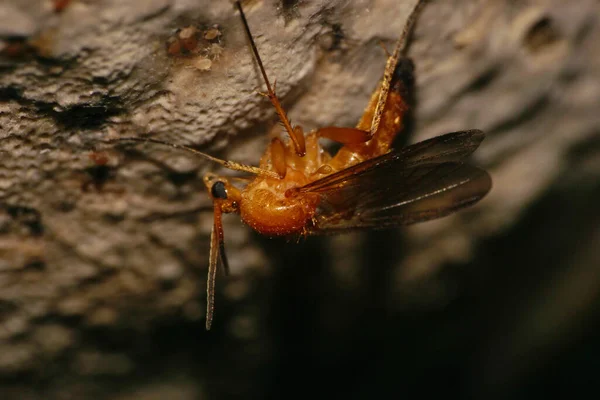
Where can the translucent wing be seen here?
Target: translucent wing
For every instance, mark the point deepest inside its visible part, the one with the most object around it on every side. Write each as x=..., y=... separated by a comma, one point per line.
x=424, y=181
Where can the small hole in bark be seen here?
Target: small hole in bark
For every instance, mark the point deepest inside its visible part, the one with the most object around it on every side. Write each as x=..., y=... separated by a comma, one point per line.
x=28, y=217
x=541, y=35
x=289, y=9
x=484, y=79
x=98, y=176
x=36, y=265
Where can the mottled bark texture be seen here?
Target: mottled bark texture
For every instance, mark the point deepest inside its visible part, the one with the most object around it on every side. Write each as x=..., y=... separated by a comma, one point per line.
x=102, y=259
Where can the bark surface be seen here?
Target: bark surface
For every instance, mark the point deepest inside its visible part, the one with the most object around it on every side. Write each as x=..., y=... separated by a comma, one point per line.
x=102, y=258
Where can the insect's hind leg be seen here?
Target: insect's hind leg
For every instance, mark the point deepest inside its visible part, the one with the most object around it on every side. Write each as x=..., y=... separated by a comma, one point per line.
x=400, y=100
x=403, y=81
x=402, y=84
x=402, y=91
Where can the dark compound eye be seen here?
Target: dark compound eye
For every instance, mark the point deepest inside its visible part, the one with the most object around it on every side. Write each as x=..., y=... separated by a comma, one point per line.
x=218, y=191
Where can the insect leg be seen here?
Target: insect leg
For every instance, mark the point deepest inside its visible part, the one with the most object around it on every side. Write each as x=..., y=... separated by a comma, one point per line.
x=226, y=163
x=296, y=134
x=391, y=64
x=399, y=100
x=392, y=119
x=344, y=135
x=278, y=157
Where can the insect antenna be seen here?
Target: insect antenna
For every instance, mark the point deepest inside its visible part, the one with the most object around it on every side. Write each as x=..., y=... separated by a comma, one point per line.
x=227, y=164
x=212, y=269
x=295, y=133
x=217, y=252
x=391, y=63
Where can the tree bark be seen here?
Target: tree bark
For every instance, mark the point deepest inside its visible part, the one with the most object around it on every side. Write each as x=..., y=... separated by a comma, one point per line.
x=102, y=258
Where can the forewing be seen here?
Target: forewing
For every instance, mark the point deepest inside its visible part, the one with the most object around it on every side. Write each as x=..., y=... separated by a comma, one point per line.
x=421, y=182
x=452, y=146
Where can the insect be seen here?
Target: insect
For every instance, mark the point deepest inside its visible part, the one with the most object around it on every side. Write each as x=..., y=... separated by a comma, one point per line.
x=300, y=189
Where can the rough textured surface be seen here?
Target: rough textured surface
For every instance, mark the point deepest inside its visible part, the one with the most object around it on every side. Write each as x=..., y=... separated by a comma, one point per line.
x=102, y=266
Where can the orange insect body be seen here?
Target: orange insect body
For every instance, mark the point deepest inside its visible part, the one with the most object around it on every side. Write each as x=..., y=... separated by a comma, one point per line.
x=266, y=203
x=301, y=189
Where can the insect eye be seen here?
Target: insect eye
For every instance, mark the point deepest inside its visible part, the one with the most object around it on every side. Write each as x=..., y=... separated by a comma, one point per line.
x=218, y=191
